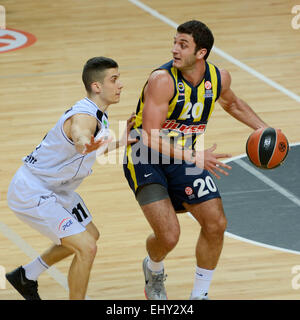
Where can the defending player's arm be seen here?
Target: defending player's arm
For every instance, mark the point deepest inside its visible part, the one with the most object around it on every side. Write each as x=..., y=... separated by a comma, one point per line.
x=235, y=106
x=125, y=139
x=159, y=91
x=80, y=129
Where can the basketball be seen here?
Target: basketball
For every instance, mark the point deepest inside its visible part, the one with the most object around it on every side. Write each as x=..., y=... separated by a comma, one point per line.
x=267, y=148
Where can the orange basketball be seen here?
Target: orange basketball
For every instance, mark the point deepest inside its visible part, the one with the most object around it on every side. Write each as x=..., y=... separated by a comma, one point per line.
x=267, y=148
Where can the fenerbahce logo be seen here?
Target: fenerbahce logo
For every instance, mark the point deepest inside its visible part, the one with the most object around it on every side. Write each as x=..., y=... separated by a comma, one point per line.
x=180, y=87
x=64, y=224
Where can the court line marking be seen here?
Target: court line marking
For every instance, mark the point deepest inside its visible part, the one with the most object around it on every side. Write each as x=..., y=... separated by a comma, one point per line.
x=243, y=155
x=221, y=53
x=249, y=191
x=257, y=243
x=260, y=244
x=57, y=275
x=268, y=181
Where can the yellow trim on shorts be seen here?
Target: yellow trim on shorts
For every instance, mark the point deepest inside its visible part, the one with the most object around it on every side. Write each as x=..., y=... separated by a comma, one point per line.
x=130, y=167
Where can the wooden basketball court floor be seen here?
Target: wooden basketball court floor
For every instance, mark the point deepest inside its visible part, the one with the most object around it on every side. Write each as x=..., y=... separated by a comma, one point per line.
x=254, y=40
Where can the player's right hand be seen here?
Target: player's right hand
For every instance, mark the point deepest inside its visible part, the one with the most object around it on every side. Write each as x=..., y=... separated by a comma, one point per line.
x=95, y=144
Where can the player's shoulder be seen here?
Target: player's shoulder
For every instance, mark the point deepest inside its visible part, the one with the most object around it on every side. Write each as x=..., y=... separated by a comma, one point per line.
x=160, y=77
x=224, y=72
x=225, y=78
x=159, y=86
x=83, y=106
x=84, y=103
x=82, y=112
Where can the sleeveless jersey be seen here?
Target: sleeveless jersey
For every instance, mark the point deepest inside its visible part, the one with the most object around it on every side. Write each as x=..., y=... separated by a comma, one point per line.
x=190, y=107
x=56, y=161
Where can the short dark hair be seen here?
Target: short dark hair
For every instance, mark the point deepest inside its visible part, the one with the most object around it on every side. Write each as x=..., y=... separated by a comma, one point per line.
x=201, y=34
x=94, y=68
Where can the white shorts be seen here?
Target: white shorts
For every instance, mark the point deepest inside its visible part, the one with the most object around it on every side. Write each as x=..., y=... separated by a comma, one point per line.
x=54, y=214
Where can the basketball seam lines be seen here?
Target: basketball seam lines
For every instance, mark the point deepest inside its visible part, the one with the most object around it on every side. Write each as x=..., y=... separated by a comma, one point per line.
x=273, y=148
x=258, y=147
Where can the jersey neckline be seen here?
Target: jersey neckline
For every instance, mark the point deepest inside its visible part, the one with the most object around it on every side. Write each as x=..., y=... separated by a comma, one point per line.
x=94, y=104
x=180, y=76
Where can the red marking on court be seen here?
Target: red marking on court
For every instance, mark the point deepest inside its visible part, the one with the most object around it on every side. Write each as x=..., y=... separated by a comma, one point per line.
x=15, y=39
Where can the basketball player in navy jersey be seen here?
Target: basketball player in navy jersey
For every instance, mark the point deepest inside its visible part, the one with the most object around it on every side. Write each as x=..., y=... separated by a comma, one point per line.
x=42, y=192
x=176, y=102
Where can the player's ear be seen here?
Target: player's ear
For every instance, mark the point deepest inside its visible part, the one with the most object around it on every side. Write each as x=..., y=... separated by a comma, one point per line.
x=200, y=54
x=96, y=87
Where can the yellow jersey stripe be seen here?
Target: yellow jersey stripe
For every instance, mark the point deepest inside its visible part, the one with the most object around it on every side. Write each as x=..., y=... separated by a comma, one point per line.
x=214, y=82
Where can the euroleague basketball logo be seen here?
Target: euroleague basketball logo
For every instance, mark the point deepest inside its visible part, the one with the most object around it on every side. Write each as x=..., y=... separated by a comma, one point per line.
x=11, y=39
x=207, y=85
x=188, y=191
x=282, y=146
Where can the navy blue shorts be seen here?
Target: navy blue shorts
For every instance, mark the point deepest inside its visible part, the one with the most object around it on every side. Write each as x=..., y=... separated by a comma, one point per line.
x=184, y=182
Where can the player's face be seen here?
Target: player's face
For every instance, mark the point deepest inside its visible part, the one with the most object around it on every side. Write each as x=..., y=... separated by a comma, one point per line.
x=111, y=86
x=183, y=51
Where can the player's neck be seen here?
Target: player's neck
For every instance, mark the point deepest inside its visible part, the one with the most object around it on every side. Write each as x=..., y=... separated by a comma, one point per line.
x=100, y=104
x=195, y=75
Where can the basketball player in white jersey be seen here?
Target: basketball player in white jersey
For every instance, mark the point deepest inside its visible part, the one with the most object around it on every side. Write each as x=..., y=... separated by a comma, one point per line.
x=42, y=192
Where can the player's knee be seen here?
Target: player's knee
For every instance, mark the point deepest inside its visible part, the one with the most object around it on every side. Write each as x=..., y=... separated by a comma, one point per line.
x=171, y=243
x=215, y=227
x=96, y=235
x=86, y=248
x=93, y=231
x=170, y=240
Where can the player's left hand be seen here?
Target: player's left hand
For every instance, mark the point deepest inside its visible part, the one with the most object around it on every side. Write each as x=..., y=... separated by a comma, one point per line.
x=126, y=139
x=212, y=163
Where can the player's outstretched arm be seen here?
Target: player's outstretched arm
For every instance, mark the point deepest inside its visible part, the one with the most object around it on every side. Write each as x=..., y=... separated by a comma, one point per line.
x=81, y=131
x=235, y=106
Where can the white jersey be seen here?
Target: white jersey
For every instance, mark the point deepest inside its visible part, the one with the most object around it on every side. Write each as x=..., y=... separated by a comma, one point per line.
x=56, y=162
